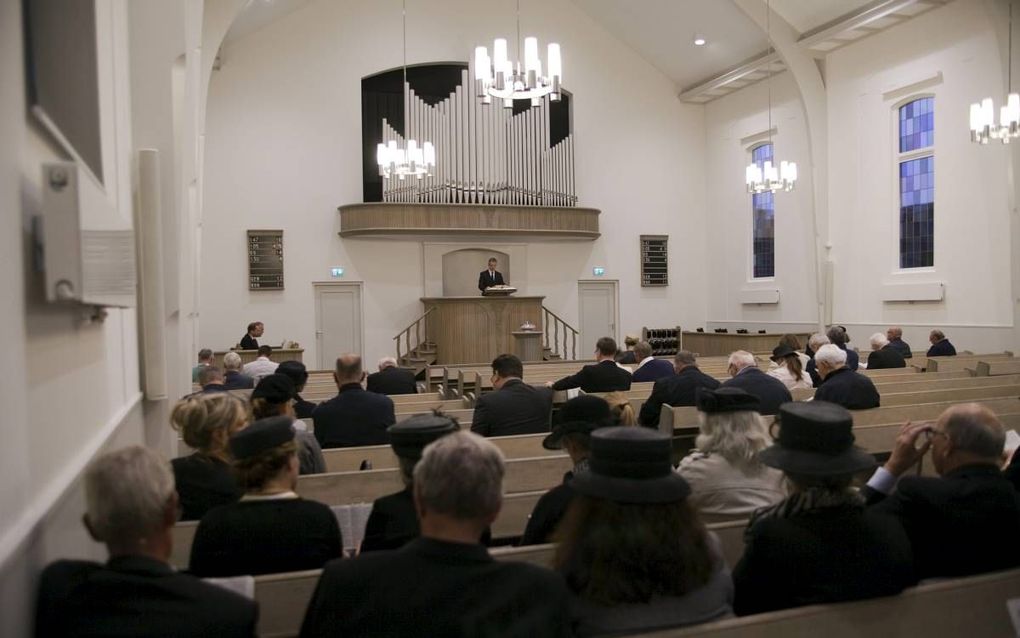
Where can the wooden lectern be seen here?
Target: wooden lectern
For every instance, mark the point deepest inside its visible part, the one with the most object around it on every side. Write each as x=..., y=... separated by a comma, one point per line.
x=477, y=329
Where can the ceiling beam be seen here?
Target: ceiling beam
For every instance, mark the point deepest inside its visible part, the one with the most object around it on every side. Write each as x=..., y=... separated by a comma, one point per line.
x=856, y=20
x=736, y=73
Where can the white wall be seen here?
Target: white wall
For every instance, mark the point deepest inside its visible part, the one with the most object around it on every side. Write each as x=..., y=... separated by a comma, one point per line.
x=283, y=150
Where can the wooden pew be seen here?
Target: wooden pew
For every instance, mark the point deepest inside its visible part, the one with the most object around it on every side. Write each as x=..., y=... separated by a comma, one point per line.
x=962, y=362
x=382, y=457
x=985, y=368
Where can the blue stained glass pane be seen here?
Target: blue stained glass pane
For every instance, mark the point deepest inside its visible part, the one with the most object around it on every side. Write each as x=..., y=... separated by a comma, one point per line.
x=917, y=213
x=763, y=216
x=917, y=124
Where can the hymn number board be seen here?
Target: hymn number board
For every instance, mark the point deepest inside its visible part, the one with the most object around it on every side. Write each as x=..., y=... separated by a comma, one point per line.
x=265, y=260
x=654, y=264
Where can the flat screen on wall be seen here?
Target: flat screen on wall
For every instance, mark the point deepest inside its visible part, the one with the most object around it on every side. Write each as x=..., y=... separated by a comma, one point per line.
x=62, y=76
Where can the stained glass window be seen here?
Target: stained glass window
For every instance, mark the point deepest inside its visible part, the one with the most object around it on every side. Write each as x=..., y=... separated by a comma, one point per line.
x=763, y=211
x=917, y=124
x=917, y=184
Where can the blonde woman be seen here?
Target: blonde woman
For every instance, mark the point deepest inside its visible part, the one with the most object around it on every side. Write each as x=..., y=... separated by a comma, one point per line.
x=620, y=409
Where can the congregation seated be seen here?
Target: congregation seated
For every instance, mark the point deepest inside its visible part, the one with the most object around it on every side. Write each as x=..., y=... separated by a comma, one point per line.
x=271, y=529
x=940, y=346
x=821, y=544
x=841, y=385
x=205, y=359
x=262, y=365
x=131, y=507
x=895, y=336
x=771, y=392
x=603, y=376
x=678, y=390
x=514, y=407
x=838, y=337
x=815, y=342
x=210, y=378
x=298, y=375
x=579, y=417
x=788, y=368
x=632, y=549
x=233, y=378
x=355, y=416
x=648, y=367
x=967, y=520
x=204, y=478
x=628, y=356
x=620, y=410
x=391, y=379
x=393, y=521
x=443, y=583
x=884, y=354
x=724, y=473
x=793, y=343
x=274, y=396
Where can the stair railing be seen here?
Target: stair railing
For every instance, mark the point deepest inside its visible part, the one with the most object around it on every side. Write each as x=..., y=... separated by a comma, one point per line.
x=418, y=326
x=554, y=326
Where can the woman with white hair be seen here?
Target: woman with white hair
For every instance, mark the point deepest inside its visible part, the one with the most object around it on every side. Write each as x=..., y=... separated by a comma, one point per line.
x=883, y=354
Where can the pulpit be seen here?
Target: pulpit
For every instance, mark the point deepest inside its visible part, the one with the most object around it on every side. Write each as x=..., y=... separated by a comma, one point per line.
x=477, y=329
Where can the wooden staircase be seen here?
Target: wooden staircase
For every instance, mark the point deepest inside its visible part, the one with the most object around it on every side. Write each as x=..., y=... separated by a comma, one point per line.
x=554, y=349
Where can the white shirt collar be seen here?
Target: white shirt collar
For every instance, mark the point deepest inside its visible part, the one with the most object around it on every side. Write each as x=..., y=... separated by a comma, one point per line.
x=644, y=361
x=270, y=497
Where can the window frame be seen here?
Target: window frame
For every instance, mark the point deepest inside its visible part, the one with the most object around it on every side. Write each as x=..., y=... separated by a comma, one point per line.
x=899, y=158
x=751, y=256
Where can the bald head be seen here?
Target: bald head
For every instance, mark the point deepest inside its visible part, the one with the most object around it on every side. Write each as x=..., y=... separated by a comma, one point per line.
x=974, y=429
x=348, y=369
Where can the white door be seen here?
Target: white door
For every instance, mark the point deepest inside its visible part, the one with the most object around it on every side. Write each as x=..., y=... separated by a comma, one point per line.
x=597, y=316
x=337, y=321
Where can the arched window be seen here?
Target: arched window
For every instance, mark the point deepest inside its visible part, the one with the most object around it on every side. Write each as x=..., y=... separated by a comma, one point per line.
x=763, y=230
x=916, y=160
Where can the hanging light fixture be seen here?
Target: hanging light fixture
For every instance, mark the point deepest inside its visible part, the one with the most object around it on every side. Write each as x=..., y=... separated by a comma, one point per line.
x=768, y=177
x=498, y=77
x=982, y=114
x=412, y=160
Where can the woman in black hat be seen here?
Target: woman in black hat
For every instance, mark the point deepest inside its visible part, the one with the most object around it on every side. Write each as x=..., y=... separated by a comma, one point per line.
x=274, y=396
x=632, y=550
x=820, y=544
x=789, y=368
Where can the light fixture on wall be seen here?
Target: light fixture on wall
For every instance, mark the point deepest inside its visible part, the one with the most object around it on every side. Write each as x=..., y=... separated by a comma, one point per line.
x=982, y=114
x=768, y=177
x=411, y=160
x=498, y=77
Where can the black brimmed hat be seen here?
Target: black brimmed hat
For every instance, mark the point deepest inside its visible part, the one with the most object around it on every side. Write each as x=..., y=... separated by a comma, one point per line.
x=781, y=351
x=580, y=415
x=296, y=370
x=816, y=439
x=631, y=465
x=409, y=437
x=725, y=400
x=260, y=436
x=274, y=388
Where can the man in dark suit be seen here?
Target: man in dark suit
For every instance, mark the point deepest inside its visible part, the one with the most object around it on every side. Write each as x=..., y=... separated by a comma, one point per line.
x=250, y=340
x=211, y=380
x=443, y=583
x=648, y=367
x=965, y=522
x=604, y=376
x=884, y=354
x=233, y=378
x=840, y=384
x=895, y=336
x=392, y=379
x=137, y=592
x=490, y=277
x=677, y=390
x=354, y=417
x=515, y=407
x=940, y=346
x=770, y=391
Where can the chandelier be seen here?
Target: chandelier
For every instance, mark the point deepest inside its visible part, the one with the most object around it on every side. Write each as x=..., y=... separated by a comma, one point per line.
x=768, y=177
x=982, y=114
x=411, y=160
x=498, y=77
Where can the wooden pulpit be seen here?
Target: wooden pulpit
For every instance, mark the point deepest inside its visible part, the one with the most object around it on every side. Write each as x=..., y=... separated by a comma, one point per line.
x=477, y=329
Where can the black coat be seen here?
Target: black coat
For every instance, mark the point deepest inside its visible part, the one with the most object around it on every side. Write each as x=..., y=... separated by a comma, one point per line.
x=203, y=482
x=354, y=417
x=942, y=349
x=265, y=537
x=436, y=588
x=249, y=342
x=234, y=380
x=902, y=347
x=548, y=512
x=393, y=522
x=887, y=357
x=303, y=409
x=852, y=390
x=484, y=280
x=653, y=371
x=820, y=556
x=966, y=522
x=770, y=391
x=392, y=380
x=678, y=390
x=516, y=408
x=604, y=376
x=136, y=596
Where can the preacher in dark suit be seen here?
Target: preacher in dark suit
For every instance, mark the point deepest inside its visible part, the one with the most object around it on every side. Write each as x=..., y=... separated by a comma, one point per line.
x=677, y=390
x=967, y=521
x=249, y=340
x=490, y=277
x=770, y=391
x=604, y=376
x=649, y=368
x=515, y=407
x=354, y=417
x=940, y=346
x=841, y=385
x=884, y=354
x=131, y=507
x=444, y=583
x=392, y=379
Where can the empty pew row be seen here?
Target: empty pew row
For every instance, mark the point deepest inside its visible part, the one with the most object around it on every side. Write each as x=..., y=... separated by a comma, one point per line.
x=986, y=368
x=962, y=362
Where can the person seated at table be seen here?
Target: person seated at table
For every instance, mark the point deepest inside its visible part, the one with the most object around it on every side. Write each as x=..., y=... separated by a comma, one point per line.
x=603, y=376
x=677, y=390
x=274, y=396
x=271, y=529
x=788, y=368
x=884, y=354
x=940, y=346
x=648, y=367
x=840, y=384
x=299, y=377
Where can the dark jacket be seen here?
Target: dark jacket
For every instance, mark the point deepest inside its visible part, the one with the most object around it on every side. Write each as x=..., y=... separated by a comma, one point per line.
x=626, y=357
x=902, y=347
x=770, y=391
x=393, y=522
x=678, y=390
x=549, y=511
x=211, y=388
x=516, y=408
x=203, y=482
x=942, y=349
x=484, y=280
x=354, y=417
x=392, y=380
x=136, y=596
x=249, y=342
x=303, y=409
x=853, y=361
x=265, y=537
x=821, y=556
x=653, y=371
x=887, y=357
x=436, y=588
x=966, y=522
x=852, y=390
x=604, y=376
x=234, y=380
